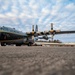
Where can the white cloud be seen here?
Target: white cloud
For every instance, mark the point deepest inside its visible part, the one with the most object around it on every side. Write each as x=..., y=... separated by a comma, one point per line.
x=10, y=14
x=2, y=16
x=70, y=6
x=5, y=5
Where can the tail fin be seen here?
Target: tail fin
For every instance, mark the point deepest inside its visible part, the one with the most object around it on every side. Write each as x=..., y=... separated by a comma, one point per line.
x=51, y=26
x=36, y=28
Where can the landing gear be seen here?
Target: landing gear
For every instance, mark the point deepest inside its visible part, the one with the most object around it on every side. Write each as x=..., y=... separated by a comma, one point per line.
x=3, y=44
x=18, y=44
x=30, y=43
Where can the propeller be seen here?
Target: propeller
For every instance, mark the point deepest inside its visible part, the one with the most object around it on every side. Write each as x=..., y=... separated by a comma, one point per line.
x=52, y=31
x=51, y=26
x=33, y=33
x=36, y=28
x=32, y=28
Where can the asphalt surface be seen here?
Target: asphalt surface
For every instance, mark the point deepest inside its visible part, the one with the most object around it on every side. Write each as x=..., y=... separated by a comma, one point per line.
x=39, y=60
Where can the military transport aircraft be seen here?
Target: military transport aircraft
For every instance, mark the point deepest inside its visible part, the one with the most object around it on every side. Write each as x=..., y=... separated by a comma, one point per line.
x=10, y=36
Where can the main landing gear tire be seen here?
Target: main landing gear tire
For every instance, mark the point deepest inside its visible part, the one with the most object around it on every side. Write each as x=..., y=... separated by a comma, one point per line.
x=30, y=43
x=18, y=44
x=3, y=44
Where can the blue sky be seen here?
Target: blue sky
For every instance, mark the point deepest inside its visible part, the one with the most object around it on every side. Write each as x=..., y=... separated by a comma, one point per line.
x=22, y=14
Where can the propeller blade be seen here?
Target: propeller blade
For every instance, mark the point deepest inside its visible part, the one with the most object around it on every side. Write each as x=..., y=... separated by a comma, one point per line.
x=51, y=26
x=36, y=28
x=32, y=28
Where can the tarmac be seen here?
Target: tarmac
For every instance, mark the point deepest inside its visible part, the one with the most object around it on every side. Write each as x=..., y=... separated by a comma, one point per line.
x=37, y=60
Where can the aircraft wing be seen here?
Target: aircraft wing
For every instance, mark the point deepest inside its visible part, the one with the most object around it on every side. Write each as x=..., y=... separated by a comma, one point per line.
x=51, y=32
x=54, y=32
x=37, y=33
x=64, y=32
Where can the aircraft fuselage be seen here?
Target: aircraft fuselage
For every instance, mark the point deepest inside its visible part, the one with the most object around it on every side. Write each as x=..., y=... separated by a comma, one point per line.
x=12, y=36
